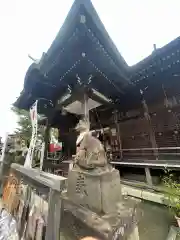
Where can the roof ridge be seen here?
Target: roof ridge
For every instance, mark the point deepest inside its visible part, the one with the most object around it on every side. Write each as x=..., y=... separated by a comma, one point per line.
x=89, y=7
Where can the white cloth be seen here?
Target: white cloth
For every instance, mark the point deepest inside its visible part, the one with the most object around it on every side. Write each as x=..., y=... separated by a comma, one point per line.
x=80, y=137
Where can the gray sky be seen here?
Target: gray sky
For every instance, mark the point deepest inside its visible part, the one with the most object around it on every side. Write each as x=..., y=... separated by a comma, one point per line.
x=29, y=27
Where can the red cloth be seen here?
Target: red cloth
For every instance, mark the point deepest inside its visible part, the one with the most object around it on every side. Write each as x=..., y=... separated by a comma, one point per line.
x=55, y=147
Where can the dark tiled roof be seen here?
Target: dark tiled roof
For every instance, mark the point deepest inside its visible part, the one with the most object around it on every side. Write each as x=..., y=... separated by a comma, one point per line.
x=83, y=49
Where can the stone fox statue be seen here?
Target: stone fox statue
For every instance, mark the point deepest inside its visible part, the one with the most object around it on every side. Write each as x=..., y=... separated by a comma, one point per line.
x=90, y=152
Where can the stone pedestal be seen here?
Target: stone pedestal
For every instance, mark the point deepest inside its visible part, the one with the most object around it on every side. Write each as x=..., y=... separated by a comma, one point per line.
x=94, y=206
x=97, y=190
x=78, y=222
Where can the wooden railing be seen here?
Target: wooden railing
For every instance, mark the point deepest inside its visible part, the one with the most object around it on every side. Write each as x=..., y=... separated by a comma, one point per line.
x=164, y=153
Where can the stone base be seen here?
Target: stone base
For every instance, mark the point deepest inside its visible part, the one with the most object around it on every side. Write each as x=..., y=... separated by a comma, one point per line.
x=98, y=190
x=78, y=222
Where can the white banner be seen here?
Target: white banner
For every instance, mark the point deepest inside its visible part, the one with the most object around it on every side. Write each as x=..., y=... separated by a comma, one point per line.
x=34, y=121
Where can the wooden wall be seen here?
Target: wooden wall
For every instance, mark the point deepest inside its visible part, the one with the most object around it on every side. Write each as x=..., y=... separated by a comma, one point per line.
x=164, y=124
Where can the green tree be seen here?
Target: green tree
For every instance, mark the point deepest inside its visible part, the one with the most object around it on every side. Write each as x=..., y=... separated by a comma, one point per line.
x=24, y=128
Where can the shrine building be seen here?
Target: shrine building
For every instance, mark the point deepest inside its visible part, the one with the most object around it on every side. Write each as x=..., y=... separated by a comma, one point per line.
x=136, y=109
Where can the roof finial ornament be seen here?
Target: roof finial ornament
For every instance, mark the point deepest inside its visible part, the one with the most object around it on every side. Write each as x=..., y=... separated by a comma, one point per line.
x=33, y=59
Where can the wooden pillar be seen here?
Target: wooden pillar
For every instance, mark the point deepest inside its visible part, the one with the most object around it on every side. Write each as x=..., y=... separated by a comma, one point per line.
x=118, y=133
x=85, y=108
x=49, y=120
x=151, y=132
x=46, y=141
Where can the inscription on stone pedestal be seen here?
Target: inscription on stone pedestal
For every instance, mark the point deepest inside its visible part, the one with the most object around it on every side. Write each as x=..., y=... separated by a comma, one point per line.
x=80, y=184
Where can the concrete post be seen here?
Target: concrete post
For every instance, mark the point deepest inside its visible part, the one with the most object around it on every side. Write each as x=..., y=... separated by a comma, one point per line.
x=148, y=176
x=54, y=215
x=135, y=234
